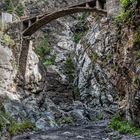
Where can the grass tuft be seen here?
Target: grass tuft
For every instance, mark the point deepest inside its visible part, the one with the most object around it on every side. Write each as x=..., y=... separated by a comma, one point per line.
x=12, y=126
x=19, y=128
x=123, y=126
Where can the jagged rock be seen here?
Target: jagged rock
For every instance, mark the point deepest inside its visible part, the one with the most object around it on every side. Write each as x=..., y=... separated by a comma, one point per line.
x=8, y=68
x=46, y=96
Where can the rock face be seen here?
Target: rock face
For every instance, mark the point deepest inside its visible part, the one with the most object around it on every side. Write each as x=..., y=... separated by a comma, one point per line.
x=8, y=71
x=33, y=76
x=102, y=70
x=47, y=97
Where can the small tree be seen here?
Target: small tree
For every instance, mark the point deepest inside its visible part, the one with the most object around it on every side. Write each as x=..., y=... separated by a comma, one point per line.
x=20, y=9
x=10, y=7
x=69, y=69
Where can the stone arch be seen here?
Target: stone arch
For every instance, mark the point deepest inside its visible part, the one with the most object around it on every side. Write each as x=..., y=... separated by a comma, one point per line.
x=55, y=15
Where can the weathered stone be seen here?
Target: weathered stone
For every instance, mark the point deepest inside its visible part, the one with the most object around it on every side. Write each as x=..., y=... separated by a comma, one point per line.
x=113, y=7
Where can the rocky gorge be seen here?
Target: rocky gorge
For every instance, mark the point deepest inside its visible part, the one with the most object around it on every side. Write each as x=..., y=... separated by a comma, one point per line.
x=81, y=70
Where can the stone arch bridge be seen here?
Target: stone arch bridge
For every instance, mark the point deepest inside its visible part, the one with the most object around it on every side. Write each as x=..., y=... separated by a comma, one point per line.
x=32, y=24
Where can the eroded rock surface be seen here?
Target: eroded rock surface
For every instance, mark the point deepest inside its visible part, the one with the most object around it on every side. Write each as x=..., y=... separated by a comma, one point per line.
x=94, y=131
x=103, y=71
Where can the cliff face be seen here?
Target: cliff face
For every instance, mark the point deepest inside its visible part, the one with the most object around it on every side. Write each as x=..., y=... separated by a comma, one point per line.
x=94, y=74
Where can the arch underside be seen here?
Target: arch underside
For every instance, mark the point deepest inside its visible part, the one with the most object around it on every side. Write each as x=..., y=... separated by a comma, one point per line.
x=31, y=25
x=61, y=13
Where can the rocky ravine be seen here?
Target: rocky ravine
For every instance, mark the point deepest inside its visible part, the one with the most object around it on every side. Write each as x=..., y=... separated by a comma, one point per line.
x=49, y=99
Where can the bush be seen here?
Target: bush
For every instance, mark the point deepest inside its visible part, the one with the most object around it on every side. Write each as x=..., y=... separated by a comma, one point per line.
x=5, y=120
x=14, y=127
x=77, y=36
x=19, y=128
x=42, y=49
x=123, y=126
x=123, y=17
x=6, y=39
x=44, y=52
x=50, y=61
x=80, y=28
x=10, y=7
x=126, y=14
x=20, y=9
x=69, y=69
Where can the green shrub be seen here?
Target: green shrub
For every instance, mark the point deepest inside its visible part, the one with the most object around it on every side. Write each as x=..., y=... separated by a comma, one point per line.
x=77, y=36
x=5, y=119
x=50, y=61
x=124, y=3
x=10, y=6
x=19, y=128
x=123, y=17
x=20, y=9
x=43, y=49
x=80, y=28
x=70, y=72
x=126, y=14
x=69, y=69
x=6, y=39
x=13, y=127
x=44, y=52
x=123, y=126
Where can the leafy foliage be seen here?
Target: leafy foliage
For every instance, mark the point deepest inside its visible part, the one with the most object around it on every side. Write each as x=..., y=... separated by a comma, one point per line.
x=126, y=14
x=80, y=28
x=6, y=39
x=20, y=9
x=70, y=72
x=69, y=69
x=14, y=127
x=124, y=127
x=18, y=128
x=77, y=36
x=10, y=7
x=44, y=51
